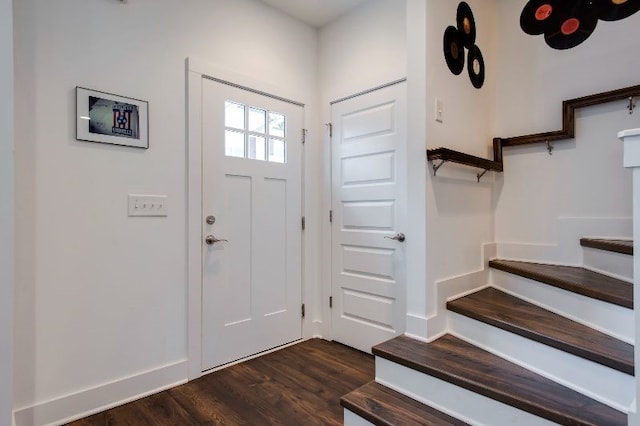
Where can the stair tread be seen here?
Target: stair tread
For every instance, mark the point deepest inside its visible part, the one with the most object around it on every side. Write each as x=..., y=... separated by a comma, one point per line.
x=460, y=363
x=515, y=315
x=383, y=406
x=572, y=278
x=615, y=245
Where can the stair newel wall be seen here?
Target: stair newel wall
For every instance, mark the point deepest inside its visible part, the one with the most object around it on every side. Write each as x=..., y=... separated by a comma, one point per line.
x=631, y=140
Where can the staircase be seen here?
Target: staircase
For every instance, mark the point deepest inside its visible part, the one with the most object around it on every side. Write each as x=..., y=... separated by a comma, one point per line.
x=543, y=344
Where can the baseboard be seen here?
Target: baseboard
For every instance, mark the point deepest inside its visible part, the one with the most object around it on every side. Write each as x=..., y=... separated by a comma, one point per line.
x=417, y=327
x=94, y=400
x=566, y=248
x=458, y=286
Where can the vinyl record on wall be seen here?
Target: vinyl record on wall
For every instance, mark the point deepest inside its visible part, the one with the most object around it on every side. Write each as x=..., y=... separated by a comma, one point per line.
x=475, y=66
x=614, y=10
x=567, y=23
x=466, y=24
x=536, y=14
x=571, y=25
x=453, y=50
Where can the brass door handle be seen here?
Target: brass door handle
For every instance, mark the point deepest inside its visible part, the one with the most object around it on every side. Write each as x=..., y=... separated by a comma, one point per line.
x=211, y=240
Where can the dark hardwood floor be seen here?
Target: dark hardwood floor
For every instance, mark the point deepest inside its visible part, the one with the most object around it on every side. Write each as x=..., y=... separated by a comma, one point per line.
x=299, y=385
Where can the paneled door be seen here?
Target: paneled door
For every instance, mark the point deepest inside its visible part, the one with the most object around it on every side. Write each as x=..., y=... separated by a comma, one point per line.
x=251, y=231
x=368, y=205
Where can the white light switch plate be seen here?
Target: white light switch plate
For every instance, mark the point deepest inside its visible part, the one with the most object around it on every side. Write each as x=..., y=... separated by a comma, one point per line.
x=148, y=205
x=438, y=116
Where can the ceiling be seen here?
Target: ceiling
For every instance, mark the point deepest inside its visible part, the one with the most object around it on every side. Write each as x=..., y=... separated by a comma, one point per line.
x=316, y=13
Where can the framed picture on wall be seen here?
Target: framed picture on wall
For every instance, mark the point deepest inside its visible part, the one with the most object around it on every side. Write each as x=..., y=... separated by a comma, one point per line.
x=113, y=119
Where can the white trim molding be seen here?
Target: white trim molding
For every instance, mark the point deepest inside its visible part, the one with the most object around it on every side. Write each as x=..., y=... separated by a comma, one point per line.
x=94, y=400
x=196, y=70
x=631, y=141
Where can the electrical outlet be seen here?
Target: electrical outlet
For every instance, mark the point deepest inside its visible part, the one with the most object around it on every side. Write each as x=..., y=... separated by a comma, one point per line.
x=439, y=110
x=148, y=205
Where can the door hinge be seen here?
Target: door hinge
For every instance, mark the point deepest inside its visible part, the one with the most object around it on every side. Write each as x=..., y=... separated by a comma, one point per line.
x=330, y=126
x=304, y=135
x=330, y=301
x=331, y=216
x=304, y=223
x=303, y=313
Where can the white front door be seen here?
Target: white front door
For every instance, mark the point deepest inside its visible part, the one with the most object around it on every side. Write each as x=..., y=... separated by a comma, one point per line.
x=251, y=223
x=368, y=203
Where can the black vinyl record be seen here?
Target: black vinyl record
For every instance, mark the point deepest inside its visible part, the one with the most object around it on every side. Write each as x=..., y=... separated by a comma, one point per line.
x=466, y=25
x=475, y=66
x=614, y=10
x=453, y=49
x=536, y=15
x=571, y=25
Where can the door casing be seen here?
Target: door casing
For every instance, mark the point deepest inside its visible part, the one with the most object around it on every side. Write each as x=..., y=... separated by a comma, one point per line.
x=196, y=71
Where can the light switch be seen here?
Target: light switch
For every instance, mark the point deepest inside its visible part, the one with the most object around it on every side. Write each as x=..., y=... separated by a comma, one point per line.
x=148, y=205
x=438, y=110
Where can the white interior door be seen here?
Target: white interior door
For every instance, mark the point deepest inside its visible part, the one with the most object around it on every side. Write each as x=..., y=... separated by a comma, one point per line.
x=368, y=202
x=252, y=249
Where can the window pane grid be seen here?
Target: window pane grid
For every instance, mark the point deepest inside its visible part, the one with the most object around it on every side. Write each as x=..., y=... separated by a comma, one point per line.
x=255, y=133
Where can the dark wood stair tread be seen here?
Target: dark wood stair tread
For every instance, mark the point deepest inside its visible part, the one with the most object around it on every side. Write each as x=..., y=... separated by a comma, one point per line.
x=460, y=363
x=383, y=406
x=614, y=245
x=572, y=278
x=512, y=314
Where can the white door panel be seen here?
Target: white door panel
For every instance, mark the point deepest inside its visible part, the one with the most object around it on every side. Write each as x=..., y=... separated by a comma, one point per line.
x=251, y=283
x=368, y=187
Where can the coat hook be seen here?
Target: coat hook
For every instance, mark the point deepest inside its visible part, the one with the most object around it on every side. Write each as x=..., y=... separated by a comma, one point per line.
x=437, y=166
x=631, y=105
x=549, y=147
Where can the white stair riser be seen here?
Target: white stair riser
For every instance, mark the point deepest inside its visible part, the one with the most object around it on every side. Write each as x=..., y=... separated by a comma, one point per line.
x=617, y=265
x=465, y=405
x=352, y=419
x=606, y=317
x=604, y=384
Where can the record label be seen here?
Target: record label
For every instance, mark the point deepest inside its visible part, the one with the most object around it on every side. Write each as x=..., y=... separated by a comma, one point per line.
x=570, y=26
x=543, y=12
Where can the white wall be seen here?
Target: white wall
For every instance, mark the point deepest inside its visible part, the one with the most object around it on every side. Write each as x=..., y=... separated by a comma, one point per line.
x=363, y=49
x=6, y=211
x=583, y=177
x=459, y=209
x=101, y=297
x=359, y=51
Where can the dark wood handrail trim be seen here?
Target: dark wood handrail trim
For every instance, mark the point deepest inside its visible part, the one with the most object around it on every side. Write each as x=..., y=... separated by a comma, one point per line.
x=447, y=154
x=568, y=116
x=568, y=131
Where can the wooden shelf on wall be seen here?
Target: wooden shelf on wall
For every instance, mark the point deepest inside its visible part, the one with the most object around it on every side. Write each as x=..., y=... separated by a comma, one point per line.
x=449, y=155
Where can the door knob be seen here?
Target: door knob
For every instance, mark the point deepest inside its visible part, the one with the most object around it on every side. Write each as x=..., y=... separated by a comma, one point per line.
x=211, y=240
x=398, y=237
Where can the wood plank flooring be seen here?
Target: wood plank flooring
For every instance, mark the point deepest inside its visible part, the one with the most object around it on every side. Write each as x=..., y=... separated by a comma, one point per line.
x=301, y=384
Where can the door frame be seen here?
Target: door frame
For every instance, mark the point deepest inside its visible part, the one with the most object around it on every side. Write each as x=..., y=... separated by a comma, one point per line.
x=196, y=70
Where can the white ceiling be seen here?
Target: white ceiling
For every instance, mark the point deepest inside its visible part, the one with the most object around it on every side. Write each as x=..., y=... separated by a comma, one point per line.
x=316, y=13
